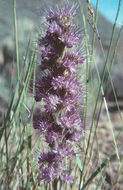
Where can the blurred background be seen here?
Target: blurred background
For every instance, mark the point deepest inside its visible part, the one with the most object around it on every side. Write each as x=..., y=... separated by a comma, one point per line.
x=29, y=18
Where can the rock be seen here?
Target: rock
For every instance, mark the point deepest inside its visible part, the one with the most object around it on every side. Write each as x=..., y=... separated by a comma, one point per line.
x=1, y=59
x=4, y=96
x=8, y=48
x=4, y=89
x=3, y=107
x=10, y=72
x=116, y=72
x=118, y=83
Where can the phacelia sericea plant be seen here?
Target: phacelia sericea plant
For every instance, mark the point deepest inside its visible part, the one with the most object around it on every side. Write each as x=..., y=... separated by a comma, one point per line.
x=59, y=122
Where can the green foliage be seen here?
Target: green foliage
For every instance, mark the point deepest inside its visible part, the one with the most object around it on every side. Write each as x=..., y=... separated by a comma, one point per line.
x=16, y=152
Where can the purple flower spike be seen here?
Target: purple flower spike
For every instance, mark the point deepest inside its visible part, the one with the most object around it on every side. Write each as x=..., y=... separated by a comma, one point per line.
x=60, y=92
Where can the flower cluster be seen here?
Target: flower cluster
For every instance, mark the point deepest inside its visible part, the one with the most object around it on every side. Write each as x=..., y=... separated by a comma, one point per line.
x=60, y=122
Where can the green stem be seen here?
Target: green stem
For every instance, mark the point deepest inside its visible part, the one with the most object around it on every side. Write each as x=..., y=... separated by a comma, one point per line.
x=16, y=38
x=7, y=157
x=112, y=157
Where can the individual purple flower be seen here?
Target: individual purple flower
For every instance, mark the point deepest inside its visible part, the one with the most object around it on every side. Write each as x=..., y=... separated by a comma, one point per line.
x=42, y=85
x=52, y=138
x=71, y=60
x=48, y=54
x=74, y=56
x=39, y=123
x=54, y=29
x=48, y=157
x=52, y=102
x=73, y=136
x=58, y=82
x=60, y=93
x=70, y=120
x=70, y=39
x=64, y=151
x=42, y=121
x=66, y=177
x=47, y=175
x=62, y=16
